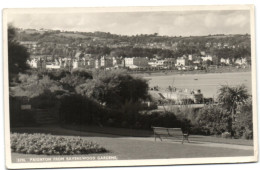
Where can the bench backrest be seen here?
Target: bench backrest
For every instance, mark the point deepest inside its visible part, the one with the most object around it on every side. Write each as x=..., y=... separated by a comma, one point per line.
x=167, y=131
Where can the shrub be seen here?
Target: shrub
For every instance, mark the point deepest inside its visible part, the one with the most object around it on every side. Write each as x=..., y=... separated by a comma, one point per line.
x=54, y=75
x=80, y=110
x=32, y=86
x=243, y=126
x=248, y=134
x=45, y=100
x=82, y=73
x=43, y=144
x=163, y=119
x=212, y=120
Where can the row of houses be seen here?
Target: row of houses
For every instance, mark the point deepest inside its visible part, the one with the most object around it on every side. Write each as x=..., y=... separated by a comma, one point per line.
x=107, y=62
x=73, y=63
x=213, y=60
x=104, y=62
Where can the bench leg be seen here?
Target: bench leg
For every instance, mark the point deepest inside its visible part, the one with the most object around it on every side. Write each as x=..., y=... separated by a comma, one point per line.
x=185, y=137
x=160, y=137
x=156, y=136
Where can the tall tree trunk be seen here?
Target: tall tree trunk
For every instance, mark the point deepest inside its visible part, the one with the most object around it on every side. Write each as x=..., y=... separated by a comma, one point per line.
x=231, y=121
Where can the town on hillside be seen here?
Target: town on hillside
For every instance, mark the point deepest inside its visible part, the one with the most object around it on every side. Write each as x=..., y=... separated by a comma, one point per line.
x=55, y=49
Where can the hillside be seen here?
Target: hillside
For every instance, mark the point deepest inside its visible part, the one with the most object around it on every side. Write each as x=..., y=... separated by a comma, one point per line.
x=30, y=35
x=153, y=45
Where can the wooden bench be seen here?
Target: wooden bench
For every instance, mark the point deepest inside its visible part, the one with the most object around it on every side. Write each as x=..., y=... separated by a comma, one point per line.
x=169, y=132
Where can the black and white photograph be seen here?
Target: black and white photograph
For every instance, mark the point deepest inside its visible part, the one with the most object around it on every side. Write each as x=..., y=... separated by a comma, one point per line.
x=129, y=86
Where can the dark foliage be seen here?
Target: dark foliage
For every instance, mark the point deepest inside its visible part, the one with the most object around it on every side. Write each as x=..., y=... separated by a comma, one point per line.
x=17, y=55
x=114, y=88
x=19, y=117
x=230, y=98
x=77, y=109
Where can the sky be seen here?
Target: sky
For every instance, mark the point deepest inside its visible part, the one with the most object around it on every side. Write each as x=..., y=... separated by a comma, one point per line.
x=174, y=23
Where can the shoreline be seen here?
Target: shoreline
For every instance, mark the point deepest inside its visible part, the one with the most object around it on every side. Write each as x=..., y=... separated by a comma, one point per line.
x=178, y=72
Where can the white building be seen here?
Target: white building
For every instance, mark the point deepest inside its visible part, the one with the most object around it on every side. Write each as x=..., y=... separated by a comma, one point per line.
x=114, y=61
x=106, y=62
x=136, y=62
x=160, y=62
x=52, y=66
x=152, y=63
x=91, y=63
x=129, y=62
x=97, y=63
x=241, y=61
x=207, y=57
x=190, y=57
x=225, y=61
x=75, y=64
x=181, y=61
x=32, y=63
x=118, y=61
x=156, y=63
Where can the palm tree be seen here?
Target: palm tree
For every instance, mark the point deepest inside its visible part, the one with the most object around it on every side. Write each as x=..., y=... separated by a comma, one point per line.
x=230, y=97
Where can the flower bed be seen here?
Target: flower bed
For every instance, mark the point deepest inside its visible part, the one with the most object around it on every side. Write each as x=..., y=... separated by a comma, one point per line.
x=52, y=145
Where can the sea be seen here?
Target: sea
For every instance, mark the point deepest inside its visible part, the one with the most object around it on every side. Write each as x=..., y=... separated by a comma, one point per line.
x=208, y=83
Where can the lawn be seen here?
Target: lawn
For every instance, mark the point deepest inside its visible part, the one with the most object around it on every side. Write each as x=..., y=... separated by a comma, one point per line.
x=127, y=147
x=147, y=133
x=103, y=131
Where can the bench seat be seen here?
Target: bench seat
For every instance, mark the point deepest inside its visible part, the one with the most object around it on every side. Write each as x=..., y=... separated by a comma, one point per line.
x=169, y=132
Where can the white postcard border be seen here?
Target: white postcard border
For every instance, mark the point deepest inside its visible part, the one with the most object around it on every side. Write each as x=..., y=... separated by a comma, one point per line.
x=143, y=162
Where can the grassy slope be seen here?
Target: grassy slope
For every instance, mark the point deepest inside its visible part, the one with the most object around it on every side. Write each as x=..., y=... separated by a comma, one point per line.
x=110, y=131
x=132, y=148
x=146, y=133
x=136, y=149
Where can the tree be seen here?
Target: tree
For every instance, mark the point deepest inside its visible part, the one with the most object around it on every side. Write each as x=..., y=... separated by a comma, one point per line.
x=114, y=88
x=82, y=73
x=70, y=81
x=230, y=98
x=75, y=78
x=33, y=85
x=17, y=55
